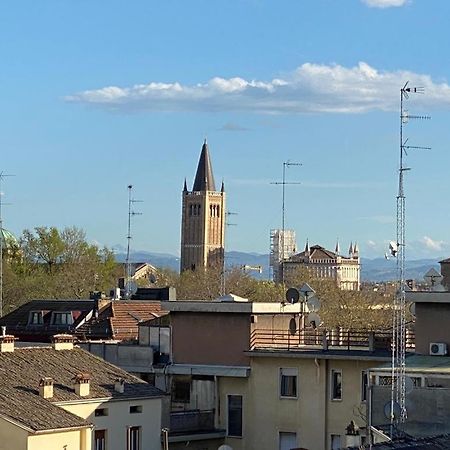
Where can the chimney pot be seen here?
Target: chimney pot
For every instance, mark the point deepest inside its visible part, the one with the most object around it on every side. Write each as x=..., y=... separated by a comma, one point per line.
x=63, y=342
x=82, y=384
x=46, y=387
x=7, y=343
x=119, y=385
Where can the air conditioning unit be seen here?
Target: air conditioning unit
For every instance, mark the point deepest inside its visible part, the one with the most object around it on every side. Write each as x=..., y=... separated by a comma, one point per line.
x=438, y=348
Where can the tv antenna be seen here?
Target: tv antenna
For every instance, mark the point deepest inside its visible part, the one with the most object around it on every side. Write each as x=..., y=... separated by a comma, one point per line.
x=398, y=413
x=2, y=177
x=283, y=205
x=129, y=285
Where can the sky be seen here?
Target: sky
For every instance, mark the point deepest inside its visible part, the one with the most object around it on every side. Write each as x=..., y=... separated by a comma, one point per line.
x=100, y=94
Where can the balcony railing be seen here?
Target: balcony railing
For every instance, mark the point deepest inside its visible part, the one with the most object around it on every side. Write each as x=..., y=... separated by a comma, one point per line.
x=322, y=339
x=191, y=421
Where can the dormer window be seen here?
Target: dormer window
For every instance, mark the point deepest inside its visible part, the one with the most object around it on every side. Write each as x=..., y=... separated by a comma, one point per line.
x=62, y=318
x=36, y=318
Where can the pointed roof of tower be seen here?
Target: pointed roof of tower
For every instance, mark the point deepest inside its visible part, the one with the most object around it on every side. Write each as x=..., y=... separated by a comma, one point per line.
x=350, y=250
x=356, y=248
x=185, y=186
x=307, y=246
x=204, y=179
x=337, y=250
x=222, y=189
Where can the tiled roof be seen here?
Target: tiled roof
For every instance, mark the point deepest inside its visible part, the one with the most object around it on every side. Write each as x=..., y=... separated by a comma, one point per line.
x=22, y=370
x=316, y=253
x=423, y=443
x=119, y=320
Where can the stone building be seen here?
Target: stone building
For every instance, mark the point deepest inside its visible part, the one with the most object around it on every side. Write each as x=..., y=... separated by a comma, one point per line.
x=323, y=263
x=203, y=219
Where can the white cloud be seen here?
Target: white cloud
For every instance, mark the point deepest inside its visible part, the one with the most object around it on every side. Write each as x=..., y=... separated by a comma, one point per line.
x=231, y=126
x=311, y=88
x=431, y=244
x=384, y=3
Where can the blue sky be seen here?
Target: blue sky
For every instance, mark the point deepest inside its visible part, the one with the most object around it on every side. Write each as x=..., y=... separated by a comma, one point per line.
x=99, y=94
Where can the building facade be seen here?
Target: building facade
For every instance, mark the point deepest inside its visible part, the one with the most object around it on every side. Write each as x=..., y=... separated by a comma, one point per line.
x=203, y=219
x=323, y=263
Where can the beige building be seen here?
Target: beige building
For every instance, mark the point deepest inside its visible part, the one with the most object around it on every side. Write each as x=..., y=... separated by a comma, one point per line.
x=203, y=219
x=323, y=263
x=62, y=397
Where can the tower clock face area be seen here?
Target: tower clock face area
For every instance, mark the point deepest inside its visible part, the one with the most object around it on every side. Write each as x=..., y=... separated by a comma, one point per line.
x=203, y=219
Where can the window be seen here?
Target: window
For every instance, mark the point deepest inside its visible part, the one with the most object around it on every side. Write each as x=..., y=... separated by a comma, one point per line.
x=36, y=318
x=336, y=385
x=135, y=409
x=364, y=385
x=287, y=441
x=335, y=441
x=101, y=412
x=235, y=415
x=134, y=438
x=181, y=390
x=100, y=440
x=288, y=382
x=62, y=318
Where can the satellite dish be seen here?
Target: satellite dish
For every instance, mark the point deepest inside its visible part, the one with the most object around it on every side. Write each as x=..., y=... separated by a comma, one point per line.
x=412, y=309
x=292, y=295
x=393, y=409
x=393, y=248
x=292, y=326
x=313, y=320
x=152, y=278
x=306, y=290
x=225, y=447
x=131, y=287
x=409, y=385
x=313, y=304
x=433, y=278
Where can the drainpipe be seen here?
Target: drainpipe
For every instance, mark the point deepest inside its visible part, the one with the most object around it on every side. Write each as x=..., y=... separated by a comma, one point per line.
x=325, y=421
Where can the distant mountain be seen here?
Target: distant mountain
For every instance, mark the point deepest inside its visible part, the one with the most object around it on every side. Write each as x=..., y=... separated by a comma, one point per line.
x=378, y=269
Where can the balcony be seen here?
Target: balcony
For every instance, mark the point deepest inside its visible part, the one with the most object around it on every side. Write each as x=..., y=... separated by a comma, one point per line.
x=193, y=425
x=324, y=339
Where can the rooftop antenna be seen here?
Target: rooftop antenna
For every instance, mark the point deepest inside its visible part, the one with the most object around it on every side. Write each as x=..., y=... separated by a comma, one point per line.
x=222, y=275
x=129, y=286
x=2, y=177
x=398, y=413
x=283, y=204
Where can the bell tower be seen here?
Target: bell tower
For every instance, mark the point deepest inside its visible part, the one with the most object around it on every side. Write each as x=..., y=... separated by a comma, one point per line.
x=203, y=219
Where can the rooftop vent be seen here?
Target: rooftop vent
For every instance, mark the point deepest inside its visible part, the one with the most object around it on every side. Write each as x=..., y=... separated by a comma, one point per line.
x=46, y=387
x=63, y=342
x=82, y=384
x=7, y=343
x=119, y=385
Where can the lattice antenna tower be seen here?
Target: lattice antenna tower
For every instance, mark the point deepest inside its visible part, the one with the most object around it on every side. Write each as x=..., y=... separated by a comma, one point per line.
x=398, y=411
x=131, y=213
x=2, y=203
x=283, y=183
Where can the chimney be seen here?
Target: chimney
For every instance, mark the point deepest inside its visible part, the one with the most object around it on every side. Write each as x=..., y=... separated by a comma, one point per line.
x=6, y=343
x=119, y=385
x=82, y=385
x=63, y=342
x=46, y=387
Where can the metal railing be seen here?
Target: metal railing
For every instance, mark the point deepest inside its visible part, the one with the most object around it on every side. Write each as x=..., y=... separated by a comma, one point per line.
x=191, y=421
x=325, y=339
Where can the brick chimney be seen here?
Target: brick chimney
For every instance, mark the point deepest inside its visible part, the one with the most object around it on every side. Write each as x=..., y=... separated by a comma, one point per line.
x=7, y=343
x=46, y=387
x=119, y=385
x=82, y=384
x=63, y=342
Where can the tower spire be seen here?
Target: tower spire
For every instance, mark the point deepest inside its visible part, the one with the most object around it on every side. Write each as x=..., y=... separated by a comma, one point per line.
x=185, y=189
x=337, y=250
x=204, y=179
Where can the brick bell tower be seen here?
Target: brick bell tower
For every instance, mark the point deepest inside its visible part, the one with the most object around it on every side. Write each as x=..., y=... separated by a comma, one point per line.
x=203, y=219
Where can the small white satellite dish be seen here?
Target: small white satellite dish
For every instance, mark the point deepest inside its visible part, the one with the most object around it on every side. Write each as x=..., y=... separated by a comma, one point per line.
x=313, y=304
x=225, y=447
x=307, y=291
x=409, y=385
x=433, y=278
x=392, y=410
x=292, y=295
x=393, y=248
x=313, y=320
x=412, y=309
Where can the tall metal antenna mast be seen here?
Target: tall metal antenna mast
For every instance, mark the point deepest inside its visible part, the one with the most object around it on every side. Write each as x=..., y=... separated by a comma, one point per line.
x=398, y=386
x=131, y=213
x=222, y=275
x=2, y=177
x=283, y=204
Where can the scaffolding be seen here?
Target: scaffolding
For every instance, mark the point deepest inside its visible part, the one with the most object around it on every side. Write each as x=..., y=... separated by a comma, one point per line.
x=282, y=246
